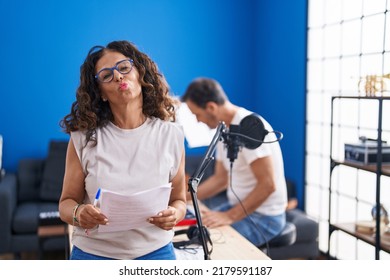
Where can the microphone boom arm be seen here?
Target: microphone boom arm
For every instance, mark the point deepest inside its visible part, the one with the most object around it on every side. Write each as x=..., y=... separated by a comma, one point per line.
x=194, y=181
x=199, y=172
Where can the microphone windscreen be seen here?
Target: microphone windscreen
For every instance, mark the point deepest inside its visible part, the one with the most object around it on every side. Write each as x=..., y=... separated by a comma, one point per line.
x=252, y=126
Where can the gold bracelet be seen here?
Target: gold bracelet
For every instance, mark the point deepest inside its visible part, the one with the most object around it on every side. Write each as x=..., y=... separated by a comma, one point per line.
x=75, y=208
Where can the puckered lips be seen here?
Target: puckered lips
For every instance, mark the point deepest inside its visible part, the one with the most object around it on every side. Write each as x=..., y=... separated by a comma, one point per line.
x=123, y=86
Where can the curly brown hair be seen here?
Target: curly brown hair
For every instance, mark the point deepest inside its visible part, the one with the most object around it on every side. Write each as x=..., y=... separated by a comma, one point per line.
x=90, y=112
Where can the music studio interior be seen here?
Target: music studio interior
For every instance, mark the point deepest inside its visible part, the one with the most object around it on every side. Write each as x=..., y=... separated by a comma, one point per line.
x=318, y=71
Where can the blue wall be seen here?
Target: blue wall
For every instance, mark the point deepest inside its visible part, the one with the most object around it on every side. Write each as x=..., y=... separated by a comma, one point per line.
x=45, y=42
x=281, y=78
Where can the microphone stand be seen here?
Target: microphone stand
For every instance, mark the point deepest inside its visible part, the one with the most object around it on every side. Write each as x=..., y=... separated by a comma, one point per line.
x=194, y=181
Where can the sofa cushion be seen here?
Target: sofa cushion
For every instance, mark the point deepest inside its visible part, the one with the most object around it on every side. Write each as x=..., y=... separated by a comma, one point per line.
x=193, y=162
x=53, y=172
x=307, y=229
x=26, y=217
x=29, y=177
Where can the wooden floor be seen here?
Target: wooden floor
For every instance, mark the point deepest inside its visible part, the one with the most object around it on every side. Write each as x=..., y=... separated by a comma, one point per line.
x=55, y=255
x=61, y=255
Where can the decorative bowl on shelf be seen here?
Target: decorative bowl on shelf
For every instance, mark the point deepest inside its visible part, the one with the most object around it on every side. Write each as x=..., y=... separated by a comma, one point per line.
x=384, y=216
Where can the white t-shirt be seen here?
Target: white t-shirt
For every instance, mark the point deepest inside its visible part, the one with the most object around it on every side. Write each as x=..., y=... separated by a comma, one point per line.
x=127, y=161
x=243, y=179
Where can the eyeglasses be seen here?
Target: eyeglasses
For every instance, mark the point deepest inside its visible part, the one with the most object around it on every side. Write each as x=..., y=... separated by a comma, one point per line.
x=107, y=74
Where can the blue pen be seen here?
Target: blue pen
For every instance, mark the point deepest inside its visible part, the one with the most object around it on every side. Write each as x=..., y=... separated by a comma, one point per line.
x=95, y=202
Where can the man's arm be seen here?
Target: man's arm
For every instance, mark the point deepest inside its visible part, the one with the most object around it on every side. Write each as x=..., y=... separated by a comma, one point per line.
x=214, y=184
x=263, y=170
x=264, y=173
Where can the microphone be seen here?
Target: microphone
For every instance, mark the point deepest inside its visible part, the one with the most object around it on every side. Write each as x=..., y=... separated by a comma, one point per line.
x=250, y=133
x=232, y=141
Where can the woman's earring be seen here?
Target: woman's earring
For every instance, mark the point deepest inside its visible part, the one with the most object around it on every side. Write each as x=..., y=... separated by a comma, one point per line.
x=104, y=99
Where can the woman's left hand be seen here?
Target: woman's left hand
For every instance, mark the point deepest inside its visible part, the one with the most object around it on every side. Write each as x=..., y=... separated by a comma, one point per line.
x=165, y=219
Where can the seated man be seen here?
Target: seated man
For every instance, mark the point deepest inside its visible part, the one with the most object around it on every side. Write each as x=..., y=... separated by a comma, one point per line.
x=257, y=197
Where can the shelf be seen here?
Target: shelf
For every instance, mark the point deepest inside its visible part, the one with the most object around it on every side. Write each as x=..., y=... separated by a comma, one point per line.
x=384, y=170
x=361, y=97
x=369, y=238
x=369, y=168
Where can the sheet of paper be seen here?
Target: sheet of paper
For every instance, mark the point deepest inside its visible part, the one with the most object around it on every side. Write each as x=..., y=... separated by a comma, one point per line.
x=129, y=212
x=197, y=133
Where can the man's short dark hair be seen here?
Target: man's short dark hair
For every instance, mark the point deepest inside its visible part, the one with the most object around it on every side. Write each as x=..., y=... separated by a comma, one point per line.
x=203, y=90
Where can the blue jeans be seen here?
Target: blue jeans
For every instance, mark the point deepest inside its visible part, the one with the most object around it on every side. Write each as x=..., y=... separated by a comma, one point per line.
x=164, y=253
x=256, y=227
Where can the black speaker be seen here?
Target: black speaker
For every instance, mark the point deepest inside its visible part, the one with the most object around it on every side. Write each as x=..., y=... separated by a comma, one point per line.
x=193, y=234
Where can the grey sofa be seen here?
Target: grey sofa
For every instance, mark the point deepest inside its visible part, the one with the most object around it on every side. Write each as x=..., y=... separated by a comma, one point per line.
x=35, y=188
x=306, y=243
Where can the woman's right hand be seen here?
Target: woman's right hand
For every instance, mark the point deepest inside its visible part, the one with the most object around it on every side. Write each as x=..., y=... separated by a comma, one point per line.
x=89, y=216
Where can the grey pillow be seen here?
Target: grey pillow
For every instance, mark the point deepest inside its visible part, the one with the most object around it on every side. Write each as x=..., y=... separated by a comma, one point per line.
x=53, y=171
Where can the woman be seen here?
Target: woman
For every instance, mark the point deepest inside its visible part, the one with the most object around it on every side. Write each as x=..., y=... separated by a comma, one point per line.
x=123, y=139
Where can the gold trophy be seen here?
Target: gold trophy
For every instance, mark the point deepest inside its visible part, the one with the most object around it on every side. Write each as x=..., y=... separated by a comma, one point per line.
x=374, y=85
